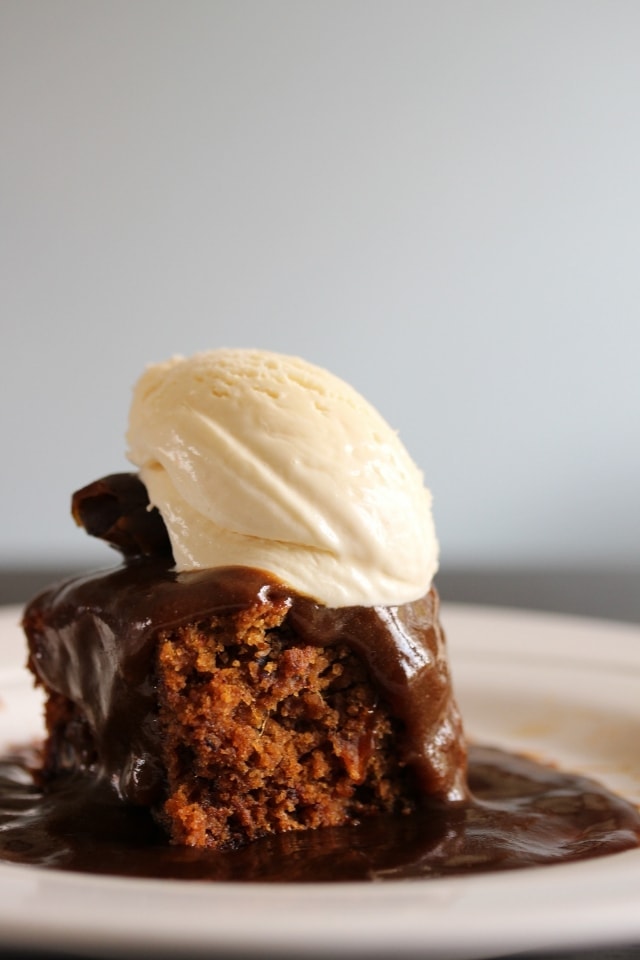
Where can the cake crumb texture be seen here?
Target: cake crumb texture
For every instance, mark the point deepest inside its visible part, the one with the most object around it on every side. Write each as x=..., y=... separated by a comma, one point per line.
x=261, y=734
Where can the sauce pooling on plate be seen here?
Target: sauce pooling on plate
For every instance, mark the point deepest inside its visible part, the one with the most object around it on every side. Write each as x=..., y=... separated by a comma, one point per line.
x=520, y=814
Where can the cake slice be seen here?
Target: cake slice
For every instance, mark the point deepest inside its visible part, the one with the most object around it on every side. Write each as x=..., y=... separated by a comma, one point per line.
x=259, y=695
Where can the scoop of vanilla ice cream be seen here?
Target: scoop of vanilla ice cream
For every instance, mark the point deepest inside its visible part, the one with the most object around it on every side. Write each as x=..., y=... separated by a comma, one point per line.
x=264, y=460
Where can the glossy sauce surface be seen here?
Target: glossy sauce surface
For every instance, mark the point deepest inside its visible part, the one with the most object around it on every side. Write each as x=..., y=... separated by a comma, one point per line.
x=520, y=814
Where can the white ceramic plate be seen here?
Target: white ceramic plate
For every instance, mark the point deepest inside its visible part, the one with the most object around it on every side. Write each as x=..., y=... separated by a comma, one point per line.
x=566, y=688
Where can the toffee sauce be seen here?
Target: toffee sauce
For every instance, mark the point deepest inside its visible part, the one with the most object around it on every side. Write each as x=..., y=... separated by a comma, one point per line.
x=520, y=814
x=92, y=640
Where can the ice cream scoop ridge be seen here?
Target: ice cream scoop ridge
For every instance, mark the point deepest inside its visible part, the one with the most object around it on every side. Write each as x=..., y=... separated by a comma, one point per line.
x=264, y=460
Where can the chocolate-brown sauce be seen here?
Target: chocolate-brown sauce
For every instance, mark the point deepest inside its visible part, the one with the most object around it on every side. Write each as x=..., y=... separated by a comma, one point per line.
x=92, y=640
x=92, y=644
x=521, y=814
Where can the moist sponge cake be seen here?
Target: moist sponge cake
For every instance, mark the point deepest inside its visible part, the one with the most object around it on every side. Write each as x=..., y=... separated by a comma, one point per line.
x=264, y=734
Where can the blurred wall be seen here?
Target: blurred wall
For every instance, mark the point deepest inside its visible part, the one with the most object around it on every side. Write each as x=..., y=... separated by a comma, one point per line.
x=440, y=201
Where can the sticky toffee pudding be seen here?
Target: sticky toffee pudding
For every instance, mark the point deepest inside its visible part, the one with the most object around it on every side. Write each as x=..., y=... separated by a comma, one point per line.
x=261, y=690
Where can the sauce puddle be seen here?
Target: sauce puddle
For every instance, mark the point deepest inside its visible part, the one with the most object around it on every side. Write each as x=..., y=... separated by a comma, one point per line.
x=522, y=814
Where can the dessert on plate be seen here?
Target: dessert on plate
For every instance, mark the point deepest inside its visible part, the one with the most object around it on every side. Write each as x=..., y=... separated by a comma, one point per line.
x=268, y=656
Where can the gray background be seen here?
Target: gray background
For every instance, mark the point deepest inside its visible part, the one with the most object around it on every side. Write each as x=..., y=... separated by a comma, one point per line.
x=440, y=201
